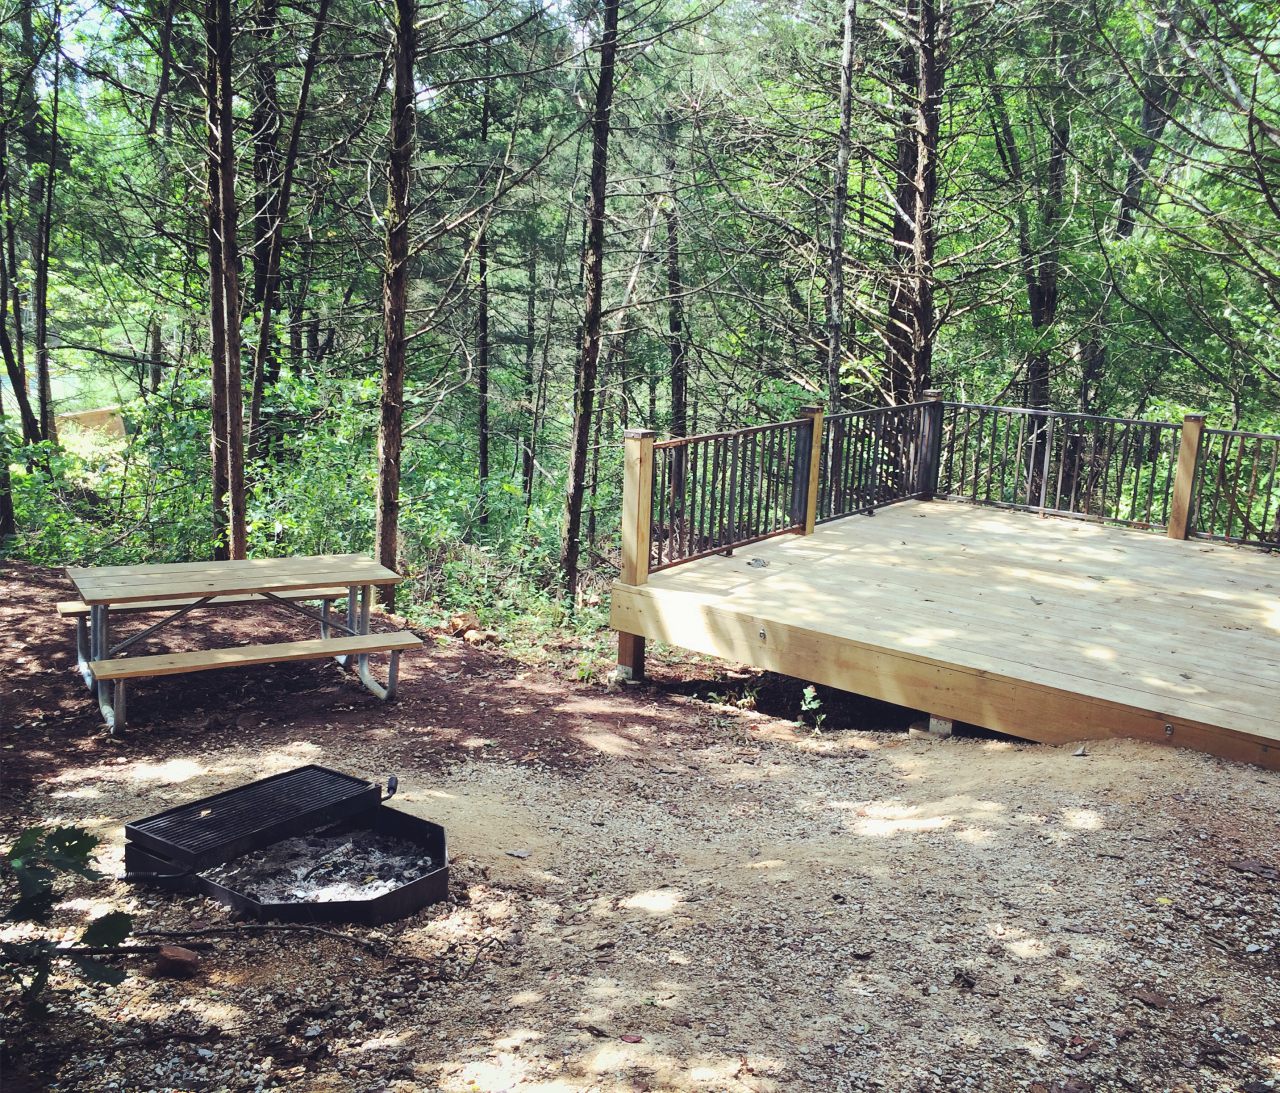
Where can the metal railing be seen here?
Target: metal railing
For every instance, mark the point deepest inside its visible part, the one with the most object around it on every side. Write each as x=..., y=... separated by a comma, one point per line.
x=691, y=497
x=873, y=458
x=718, y=491
x=1237, y=490
x=1120, y=470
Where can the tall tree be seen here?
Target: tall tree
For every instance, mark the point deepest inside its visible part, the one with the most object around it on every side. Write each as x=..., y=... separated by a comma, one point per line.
x=839, y=204
x=395, y=280
x=584, y=380
x=482, y=308
x=273, y=209
x=913, y=238
x=677, y=334
x=225, y=269
x=43, y=249
x=218, y=443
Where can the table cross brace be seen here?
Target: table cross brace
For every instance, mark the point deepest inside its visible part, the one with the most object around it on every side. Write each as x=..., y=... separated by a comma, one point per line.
x=114, y=650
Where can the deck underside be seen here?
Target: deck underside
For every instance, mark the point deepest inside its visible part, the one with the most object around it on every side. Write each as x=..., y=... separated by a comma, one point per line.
x=1049, y=629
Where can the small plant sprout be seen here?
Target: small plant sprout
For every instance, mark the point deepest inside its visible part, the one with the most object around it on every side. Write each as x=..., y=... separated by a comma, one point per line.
x=811, y=704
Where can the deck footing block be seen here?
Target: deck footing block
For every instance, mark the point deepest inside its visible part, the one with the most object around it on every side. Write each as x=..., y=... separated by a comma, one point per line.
x=630, y=657
x=936, y=728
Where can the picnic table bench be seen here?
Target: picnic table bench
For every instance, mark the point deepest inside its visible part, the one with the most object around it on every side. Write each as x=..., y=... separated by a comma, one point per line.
x=107, y=592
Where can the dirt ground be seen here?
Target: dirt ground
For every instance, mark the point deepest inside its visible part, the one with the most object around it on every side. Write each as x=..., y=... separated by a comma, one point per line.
x=658, y=889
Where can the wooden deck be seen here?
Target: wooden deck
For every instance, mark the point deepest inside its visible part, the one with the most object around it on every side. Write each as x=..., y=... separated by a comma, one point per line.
x=1044, y=628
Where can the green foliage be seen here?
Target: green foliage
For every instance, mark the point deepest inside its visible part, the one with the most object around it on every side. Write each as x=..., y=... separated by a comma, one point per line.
x=811, y=704
x=721, y=157
x=34, y=864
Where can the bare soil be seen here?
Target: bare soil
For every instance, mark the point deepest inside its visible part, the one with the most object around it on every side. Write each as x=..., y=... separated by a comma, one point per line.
x=673, y=887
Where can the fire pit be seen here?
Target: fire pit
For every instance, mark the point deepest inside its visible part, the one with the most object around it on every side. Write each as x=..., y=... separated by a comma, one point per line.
x=310, y=845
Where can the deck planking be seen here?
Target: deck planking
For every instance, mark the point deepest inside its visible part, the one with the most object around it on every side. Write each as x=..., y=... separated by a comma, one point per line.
x=1045, y=628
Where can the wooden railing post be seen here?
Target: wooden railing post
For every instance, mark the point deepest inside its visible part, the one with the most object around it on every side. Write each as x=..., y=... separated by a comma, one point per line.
x=637, y=503
x=1182, y=505
x=930, y=445
x=637, y=516
x=810, y=475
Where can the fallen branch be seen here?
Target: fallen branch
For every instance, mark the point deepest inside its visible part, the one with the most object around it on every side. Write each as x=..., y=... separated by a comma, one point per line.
x=263, y=928
x=123, y=950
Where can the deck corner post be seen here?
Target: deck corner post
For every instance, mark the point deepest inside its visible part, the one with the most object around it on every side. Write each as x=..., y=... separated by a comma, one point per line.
x=1182, y=504
x=930, y=440
x=637, y=517
x=637, y=504
x=809, y=477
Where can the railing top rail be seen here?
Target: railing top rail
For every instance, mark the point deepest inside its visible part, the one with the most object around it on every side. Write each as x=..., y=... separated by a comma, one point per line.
x=1243, y=433
x=681, y=441
x=844, y=414
x=1058, y=413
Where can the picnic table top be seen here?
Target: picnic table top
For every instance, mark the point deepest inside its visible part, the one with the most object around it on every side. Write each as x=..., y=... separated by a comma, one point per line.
x=122, y=584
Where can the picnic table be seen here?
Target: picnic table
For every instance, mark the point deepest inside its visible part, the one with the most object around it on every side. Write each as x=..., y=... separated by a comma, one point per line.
x=108, y=592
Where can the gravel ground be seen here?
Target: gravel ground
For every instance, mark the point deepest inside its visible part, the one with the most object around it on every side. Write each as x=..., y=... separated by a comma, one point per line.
x=651, y=892
x=761, y=911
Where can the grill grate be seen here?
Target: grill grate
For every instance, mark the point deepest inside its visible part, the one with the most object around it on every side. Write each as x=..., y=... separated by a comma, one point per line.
x=216, y=829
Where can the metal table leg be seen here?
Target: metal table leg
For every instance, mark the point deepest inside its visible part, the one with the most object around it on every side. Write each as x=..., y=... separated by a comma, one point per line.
x=352, y=614
x=84, y=653
x=361, y=626
x=110, y=696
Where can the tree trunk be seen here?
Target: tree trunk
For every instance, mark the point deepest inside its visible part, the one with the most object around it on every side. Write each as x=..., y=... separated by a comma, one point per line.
x=839, y=202
x=237, y=537
x=899, y=338
x=1039, y=255
x=528, y=449
x=8, y=522
x=482, y=368
x=10, y=298
x=265, y=125
x=911, y=307
x=155, y=365
x=677, y=341
x=217, y=310
x=270, y=222
x=44, y=240
x=482, y=322
x=593, y=288
x=593, y=492
x=395, y=280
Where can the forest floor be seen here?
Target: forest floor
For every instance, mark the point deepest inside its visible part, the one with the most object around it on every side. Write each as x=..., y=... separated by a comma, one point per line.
x=658, y=889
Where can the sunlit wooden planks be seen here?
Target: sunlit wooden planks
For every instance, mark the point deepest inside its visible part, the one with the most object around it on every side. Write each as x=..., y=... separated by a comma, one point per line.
x=971, y=613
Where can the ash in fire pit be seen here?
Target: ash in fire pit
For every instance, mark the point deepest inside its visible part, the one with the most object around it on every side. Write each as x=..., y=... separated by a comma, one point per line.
x=321, y=868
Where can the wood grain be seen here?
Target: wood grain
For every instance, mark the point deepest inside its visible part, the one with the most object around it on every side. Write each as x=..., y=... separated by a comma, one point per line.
x=204, y=660
x=194, y=580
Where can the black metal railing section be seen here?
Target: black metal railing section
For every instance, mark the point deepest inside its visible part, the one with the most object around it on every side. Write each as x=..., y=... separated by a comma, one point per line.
x=872, y=458
x=718, y=491
x=1115, y=469
x=1237, y=491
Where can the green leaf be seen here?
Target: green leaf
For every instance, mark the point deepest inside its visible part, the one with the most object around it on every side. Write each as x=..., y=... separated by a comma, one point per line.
x=107, y=930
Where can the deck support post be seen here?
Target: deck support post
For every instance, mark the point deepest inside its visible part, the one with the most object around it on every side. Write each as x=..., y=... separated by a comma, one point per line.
x=1182, y=504
x=637, y=515
x=930, y=441
x=808, y=477
x=936, y=728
